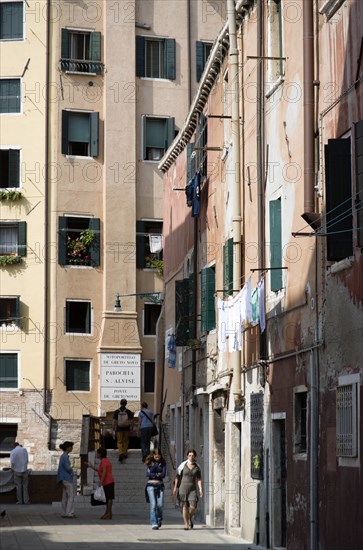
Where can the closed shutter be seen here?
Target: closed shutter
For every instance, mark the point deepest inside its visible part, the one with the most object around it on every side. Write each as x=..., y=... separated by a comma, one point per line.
x=94, y=127
x=94, y=225
x=8, y=370
x=65, y=117
x=65, y=50
x=140, y=56
x=170, y=59
x=17, y=312
x=140, y=244
x=191, y=307
x=181, y=312
x=199, y=59
x=22, y=239
x=95, y=46
x=62, y=240
x=14, y=168
x=228, y=268
x=11, y=21
x=10, y=95
x=275, y=245
x=208, y=300
x=339, y=219
x=170, y=131
x=359, y=172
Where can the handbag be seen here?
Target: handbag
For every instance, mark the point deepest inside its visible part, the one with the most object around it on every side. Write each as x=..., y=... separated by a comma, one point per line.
x=99, y=494
x=154, y=430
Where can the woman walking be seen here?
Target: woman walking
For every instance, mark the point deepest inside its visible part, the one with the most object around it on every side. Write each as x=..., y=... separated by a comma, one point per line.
x=155, y=473
x=104, y=470
x=189, y=481
x=65, y=477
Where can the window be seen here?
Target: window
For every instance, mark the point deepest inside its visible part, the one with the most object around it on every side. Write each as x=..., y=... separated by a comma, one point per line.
x=275, y=49
x=10, y=95
x=80, y=133
x=149, y=376
x=184, y=311
x=257, y=431
x=301, y=421
x=358, y=202
x=203, y=50
x=8, y=434
x=81, y=51
x=13, y=238
x=151, y=316
x=9, y=168
x=9, y=311
x=228, y=268
x=208, y=289
x=11, y=20
x=158, y=133
x=347, y=416
x=77, y=375
x=8, y=370
x=78, y=317
x=149, y=245
x=275, y=245
x=155, y=57
x=78, y=241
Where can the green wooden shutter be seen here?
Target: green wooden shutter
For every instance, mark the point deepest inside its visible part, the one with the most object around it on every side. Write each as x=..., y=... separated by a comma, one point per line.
x=181, y=312
x=11, y=21
x=62, y=240
x=140, y=244
x=199, y=57
x=94, y=141
x=191, y=304
x=17, y=312
x=170, y=71
x=65, y=49
x=275, y=245
x=359, y=172
x=170, y=131
x=338, y=199
x=22, y=239
x=65, y=120
x=190, y=172
x=208, y=289
x=14, y=168
x=228, y=268
x=8, y=370
x=94, y=225
x=95, y=46
x=140, y=56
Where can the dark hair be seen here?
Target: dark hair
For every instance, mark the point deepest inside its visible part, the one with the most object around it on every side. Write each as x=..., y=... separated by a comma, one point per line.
x=192, y=451
x=144, y=405
x=102, y=452
x=66, y=445
x=149, y=459
x=123, y=402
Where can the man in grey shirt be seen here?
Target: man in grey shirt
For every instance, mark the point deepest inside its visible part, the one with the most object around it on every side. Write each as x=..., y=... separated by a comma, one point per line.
x=19, y=465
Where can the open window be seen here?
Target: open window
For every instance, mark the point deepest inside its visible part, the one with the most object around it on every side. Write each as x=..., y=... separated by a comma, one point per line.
x=78, y=241
x=9, y=311
x=149, y=244
x=151, y=316
x=9, y=167
x=81, y=51
x=78, y=317
x=80, y=133
x=301, y=418
x=149, y=376
x=77, y=374
x=203, y=50
x=158, y=133
x=8, y=435
x=155, y=57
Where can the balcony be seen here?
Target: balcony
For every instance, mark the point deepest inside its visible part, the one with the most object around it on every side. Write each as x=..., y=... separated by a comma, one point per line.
x=83, y=66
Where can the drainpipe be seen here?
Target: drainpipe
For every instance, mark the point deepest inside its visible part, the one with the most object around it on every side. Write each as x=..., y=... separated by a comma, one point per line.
x=236, y=186
x=189, y=55
x=309, y=215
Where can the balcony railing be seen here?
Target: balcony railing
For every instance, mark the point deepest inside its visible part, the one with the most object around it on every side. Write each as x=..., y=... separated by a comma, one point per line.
x=81, y=66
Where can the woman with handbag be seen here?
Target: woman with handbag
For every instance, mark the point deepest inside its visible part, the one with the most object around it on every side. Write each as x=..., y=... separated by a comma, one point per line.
x=104, y=470
x=146, y=428
x=155, y=473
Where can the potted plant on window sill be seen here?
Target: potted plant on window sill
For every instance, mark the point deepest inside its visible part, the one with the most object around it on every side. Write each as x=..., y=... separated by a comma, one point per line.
x=10, y=195
x=9, y=259
x=78, y=249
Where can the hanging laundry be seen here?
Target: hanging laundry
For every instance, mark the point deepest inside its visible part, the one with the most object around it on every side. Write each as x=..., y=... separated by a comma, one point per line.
x=222, y=322
x=155, y=243
x=246, y=305
x=189, y=192
x=172, y=351
x=254, y=302
x=196, y=196
x=261, y=304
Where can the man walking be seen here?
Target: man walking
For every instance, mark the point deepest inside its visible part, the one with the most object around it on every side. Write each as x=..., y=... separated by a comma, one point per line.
x=121, y=424
x=19, y=465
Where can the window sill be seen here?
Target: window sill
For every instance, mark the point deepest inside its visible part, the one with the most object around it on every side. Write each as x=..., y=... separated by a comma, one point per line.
x=341, y=265
x=10, y=328
x=78, y=334
x=12, y=39
x=151, y=161
x=155, y=78
x=275, y=86
x=81, y=73
x=12, y=114
x=79, y=157
x=78, y=266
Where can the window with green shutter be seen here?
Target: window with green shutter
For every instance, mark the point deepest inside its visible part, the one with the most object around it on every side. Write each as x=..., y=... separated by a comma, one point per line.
x=78, y=241
x=190, y=162
x=9, y=311
x=9, y=168
x=11, y=20
x=80, y=134
x=81, y=52
x=158, y=133
x=208, y=289
x=8, y=370
x=201, y=143
x=228, y=268
x=13, y=238
x=155, y=57
x=10, y=95
x=203, y=50
x=275, y=245
x=77, y=375
x=182, y=327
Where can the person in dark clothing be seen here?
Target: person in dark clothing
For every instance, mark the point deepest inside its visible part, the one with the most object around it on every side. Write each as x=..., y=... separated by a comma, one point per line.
x=155, y=473
x=121, y=425
x=146, y=417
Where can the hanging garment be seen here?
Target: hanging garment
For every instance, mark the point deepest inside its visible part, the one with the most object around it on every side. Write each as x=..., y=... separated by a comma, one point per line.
x=155, y=243
x=261, y=304
x=254, y=303
x=196, y=196
x=222, y=318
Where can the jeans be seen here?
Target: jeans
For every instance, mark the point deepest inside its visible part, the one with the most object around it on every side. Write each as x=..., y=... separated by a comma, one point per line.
x=21, y=480
x=145, y=437
x=156, y=505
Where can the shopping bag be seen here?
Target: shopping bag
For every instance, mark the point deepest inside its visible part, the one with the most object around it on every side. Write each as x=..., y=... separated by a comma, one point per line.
x=99, y=494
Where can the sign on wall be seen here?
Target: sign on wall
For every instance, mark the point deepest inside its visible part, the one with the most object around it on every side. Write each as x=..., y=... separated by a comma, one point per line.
x=120, y=376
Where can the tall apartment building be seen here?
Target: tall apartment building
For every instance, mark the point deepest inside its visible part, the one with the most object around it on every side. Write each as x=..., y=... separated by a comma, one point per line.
x=95, y=107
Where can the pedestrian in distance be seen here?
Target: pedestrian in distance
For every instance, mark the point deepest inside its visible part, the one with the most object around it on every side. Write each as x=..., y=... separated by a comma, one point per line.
x=104, y=470
x=121, y=425
x=65, y=476
x=155, y=473
x=19, y=464
x=146, y=417
x=188, y=482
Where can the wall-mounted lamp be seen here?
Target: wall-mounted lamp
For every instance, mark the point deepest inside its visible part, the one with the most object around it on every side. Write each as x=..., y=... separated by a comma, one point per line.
x=117, y=306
